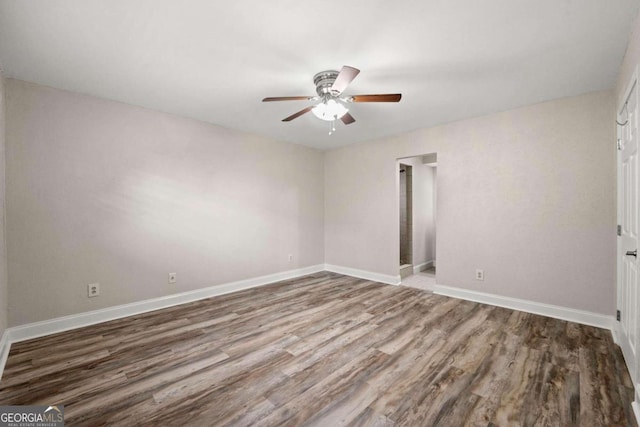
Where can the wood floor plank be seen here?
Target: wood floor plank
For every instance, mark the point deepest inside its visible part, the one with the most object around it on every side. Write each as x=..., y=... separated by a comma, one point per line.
x=326, y=350
x=327, y=391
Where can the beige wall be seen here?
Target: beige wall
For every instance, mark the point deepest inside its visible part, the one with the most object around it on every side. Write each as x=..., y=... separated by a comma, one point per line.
x=4, y=292
x=99, y=191
x=423, y=211
x=528, y=195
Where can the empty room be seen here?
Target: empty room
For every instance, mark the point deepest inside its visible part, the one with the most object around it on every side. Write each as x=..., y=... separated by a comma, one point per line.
x=358, y=213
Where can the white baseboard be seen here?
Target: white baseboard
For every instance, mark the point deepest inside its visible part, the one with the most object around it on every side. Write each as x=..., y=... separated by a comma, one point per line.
x=636, y=410
x=420, y=267
x=61, y=324
x=557, y=312
x=614, y=333
x=363, y=274
x=5, y=346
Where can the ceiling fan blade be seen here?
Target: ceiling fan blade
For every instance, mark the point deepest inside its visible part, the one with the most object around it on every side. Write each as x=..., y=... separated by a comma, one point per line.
x=389, y=97
x=288, y=98
x=347, y=119
x=298, y=114
x=346, y=76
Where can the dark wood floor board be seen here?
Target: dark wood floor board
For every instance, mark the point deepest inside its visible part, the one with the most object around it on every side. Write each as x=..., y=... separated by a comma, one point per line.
x=309, y=368
x=337, y=384
x=304, y=373
x=66, y=346
x=335, y=345
x=456, y=411
x=228, y=398
x=319, y=287
x=455, y=321
x=393, y=303
x=84, y=388
x=482, y=412
x=496, y=369
x=405, y=365
x=135, y=391
x=152, y=362
x=519, y=388
x=68, y=364
x=603, y=394
x=316, y=334
x=479, y=345
x=372, y=291
x=368, y=418
x=326, y=350
x=345, y=409
x=409, y=385
x=249, y=386
x=517, y=323
x=431, y=396
x=202, y=380
x=408, y=338
x=254, y=334
x=249, y=415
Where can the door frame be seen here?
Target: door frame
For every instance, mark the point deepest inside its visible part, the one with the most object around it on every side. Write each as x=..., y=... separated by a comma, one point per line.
x=632, y=365
x=402, y=160
x=409, y=209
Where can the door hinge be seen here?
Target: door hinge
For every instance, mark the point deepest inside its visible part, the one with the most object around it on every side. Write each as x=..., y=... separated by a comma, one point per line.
x=619, y=230
x=618, y=315
x=619, y=144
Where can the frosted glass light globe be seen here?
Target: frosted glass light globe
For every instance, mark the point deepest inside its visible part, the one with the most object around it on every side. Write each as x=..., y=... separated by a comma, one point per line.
x=329, y=110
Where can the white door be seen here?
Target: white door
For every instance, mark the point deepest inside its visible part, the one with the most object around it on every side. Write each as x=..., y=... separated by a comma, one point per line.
x=628, y=220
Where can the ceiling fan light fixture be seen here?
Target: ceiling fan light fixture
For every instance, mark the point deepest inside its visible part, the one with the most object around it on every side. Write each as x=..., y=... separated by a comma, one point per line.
x=329, y=110
x=330, y=86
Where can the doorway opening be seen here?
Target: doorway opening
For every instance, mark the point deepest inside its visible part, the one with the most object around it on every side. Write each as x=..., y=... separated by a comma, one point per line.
x=406, y=220
x=417, y=219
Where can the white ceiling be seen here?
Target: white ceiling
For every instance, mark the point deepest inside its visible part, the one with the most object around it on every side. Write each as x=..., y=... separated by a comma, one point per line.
x=215, y=60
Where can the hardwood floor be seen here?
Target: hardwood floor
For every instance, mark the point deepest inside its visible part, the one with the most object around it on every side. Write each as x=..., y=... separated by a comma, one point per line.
x=327, y=350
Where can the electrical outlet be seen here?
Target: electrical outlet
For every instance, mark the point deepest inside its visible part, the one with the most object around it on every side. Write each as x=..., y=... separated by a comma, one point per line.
x=93, y=290
x=479, y=274
x=290, y=257
x=173, y=277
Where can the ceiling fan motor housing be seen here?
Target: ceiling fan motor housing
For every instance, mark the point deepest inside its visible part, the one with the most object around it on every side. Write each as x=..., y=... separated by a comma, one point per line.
x=323, y=81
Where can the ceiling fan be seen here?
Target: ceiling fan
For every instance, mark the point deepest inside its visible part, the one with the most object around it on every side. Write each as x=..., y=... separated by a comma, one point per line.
x=330, y=86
